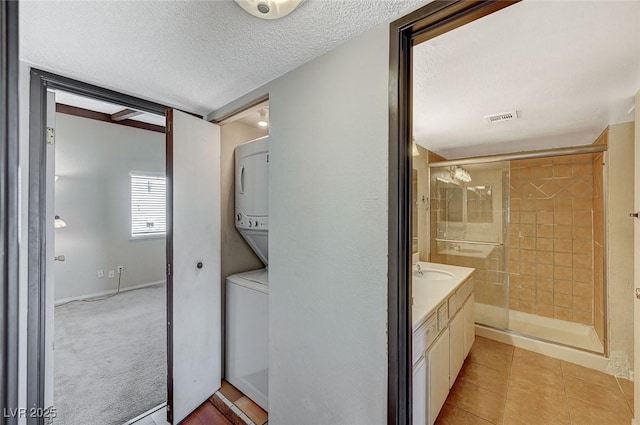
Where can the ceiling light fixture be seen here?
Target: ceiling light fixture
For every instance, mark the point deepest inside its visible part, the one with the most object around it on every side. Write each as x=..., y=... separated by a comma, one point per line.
x=59, y=223
x=269, y=9
x=263, y=118
x=461, y=174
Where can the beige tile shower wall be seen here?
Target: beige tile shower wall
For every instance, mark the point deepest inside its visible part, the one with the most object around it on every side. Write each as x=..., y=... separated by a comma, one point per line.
x=551, y=237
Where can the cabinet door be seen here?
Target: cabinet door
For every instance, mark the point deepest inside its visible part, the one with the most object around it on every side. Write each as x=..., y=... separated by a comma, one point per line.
x=469, y=324
x=438, y=375
x=456, y=346
x=420, y=392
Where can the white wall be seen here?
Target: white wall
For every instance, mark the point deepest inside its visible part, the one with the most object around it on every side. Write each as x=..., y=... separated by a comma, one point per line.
x=93, y=160
x=328, y=236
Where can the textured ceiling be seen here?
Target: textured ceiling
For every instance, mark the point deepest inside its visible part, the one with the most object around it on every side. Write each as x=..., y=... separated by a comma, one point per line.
x=568, y=68
x=195, y=55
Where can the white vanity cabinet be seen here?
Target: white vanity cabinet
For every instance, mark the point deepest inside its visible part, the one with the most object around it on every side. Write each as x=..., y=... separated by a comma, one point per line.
x=438, y=375
x=456, y=346
x=420, y=391
x=440, y=346
x=469, y=324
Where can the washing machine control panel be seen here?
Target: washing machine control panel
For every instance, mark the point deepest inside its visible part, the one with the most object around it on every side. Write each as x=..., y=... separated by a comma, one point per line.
x=245, y=222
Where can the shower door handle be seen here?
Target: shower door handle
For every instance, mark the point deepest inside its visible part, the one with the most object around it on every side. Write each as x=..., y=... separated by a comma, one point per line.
x=638, y=293
x=634, y=214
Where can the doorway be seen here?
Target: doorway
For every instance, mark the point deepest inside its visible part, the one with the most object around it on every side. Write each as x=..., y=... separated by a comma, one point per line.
x=109, y=278
x=192, y=253
x=539, y=257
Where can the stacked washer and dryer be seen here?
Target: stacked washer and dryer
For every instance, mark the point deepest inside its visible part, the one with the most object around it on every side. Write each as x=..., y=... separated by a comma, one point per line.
x=247, y=306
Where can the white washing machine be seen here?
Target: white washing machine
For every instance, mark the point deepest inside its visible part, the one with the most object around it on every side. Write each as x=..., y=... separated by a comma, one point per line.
x=247, y=334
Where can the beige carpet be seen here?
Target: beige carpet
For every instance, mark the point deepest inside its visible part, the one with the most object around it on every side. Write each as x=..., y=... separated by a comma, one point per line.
x=110, y=358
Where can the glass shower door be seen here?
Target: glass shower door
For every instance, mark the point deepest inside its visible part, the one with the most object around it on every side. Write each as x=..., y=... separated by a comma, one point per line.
x=469, y=228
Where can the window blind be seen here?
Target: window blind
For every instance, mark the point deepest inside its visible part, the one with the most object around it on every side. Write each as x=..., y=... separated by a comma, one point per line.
x=148, y=205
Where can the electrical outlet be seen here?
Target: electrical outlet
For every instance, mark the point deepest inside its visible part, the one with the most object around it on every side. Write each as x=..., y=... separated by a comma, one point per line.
x=100, y=274
x=112, y=274
x=120, y=269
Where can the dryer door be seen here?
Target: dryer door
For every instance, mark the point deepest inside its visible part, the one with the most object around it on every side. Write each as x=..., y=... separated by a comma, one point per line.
x=252, y=183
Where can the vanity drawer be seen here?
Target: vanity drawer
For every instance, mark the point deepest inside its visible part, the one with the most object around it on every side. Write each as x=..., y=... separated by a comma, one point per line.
x=443, y=316
x=465, y=291
x=431, y=329
x=453, y=303
x=419, y=342
x=424, y=336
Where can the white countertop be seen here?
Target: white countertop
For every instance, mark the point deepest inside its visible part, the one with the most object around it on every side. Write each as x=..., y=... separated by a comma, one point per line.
x=428, y=294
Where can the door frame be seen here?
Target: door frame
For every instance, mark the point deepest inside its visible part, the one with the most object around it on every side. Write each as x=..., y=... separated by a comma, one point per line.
x=37, y=188
x=431, y=20
x=9, y=210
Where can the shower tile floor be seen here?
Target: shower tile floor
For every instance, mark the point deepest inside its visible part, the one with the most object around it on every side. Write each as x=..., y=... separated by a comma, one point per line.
x=502, y=384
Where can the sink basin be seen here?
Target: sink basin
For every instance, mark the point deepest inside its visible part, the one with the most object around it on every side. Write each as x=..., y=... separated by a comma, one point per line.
x=431, y=274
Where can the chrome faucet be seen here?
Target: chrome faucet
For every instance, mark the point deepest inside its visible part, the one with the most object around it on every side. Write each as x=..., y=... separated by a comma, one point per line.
x=454, y=247
x=420, y=273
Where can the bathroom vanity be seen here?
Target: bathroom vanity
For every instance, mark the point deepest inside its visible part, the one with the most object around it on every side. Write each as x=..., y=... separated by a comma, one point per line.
x=443, y=332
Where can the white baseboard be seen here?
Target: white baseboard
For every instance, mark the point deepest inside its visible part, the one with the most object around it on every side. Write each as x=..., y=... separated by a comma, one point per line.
x=109, y=292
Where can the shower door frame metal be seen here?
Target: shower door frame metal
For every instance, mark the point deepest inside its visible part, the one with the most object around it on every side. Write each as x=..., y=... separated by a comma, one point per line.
x=544, y=153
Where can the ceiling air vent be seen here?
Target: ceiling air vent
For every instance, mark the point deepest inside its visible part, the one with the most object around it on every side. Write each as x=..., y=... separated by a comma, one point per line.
x=505, y=116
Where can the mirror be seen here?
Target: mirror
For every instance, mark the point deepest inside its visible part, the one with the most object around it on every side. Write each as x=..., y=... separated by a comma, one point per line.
x=479, y=204
x=451, y=197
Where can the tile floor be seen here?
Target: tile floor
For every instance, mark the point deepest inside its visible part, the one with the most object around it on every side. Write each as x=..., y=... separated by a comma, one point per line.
x=211, y=412
x=206, y=414
x=502, y=384
x=244, y=404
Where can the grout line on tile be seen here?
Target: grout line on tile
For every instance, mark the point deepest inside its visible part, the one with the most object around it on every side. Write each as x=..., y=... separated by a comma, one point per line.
x=464, y=410
x=566, y=396
x=506, y=394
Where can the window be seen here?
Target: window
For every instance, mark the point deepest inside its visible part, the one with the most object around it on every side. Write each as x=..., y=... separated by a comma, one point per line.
x=148, y=205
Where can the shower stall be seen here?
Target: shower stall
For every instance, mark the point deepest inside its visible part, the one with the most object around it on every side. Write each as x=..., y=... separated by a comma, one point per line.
x=532, y=226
